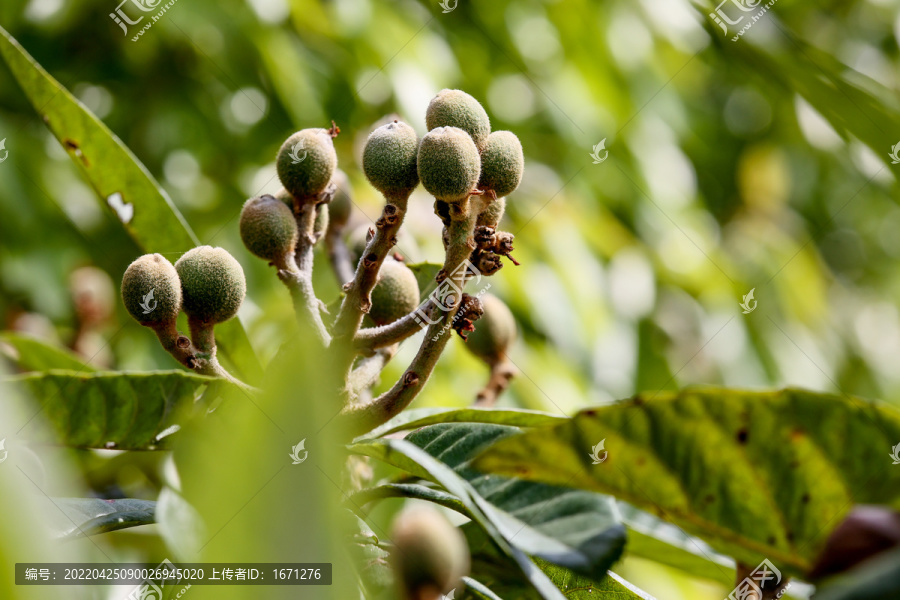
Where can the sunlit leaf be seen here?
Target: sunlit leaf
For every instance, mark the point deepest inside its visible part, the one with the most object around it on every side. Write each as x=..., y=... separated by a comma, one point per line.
x=756, y=475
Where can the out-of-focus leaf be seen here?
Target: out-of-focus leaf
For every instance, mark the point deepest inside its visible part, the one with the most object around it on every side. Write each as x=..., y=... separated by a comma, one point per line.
x=33, y=354
x=122, y=183
x=409, y=490
x=179, y=524
x=478, y=590
x=420, y=417
x=370, y=560
x=755, y=474
x=90, y=516
x=654, y=539
x=121, y=410
x=496, y=571
x=576, y=529
x=878, y=577
x=852, y=103
x=406, y=455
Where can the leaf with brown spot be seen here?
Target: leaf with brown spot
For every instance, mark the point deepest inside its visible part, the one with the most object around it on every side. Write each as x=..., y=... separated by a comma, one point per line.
x=667, y=455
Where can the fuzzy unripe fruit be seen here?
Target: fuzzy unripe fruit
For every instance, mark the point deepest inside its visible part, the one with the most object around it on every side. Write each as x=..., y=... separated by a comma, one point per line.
x=502, y=164
x=212, y=284
x=306, y=162
x=395, y=294
x=389, y=160
x=341, y=205
x=151, y=290
x=455, y=108
x=268, y=228
x=494, y=332
x=449, y=164
x=430, y=555
x=491, y=216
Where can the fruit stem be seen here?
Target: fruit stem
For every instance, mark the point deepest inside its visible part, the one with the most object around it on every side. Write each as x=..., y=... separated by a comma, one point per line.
x=357, y=299
x=364, y=417
x=298, y=275
x=501, y=374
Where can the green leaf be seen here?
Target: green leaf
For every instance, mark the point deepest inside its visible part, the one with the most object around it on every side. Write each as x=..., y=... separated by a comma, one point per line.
x=656, y=540
x=578, y=530
x=33, y=354
x=420, y=417
x=878, y=577
x=495, y=571
x=853, y=104
x=756, y=475
x=121, y=410
x=90, y=516
x=478, y=590
x=123, y=184
x=409, y=490
x=405, y=455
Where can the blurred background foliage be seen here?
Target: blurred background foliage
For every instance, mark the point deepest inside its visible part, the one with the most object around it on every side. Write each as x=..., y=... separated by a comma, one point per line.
x=761, y=164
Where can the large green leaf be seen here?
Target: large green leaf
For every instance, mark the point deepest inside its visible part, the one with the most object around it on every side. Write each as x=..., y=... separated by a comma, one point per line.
x=578, y=530
x=123, y=184
x=757, y=475
x=32, y=354
x=420, y=417
x=121, y=410
x=413, y=459
x=878, y=577
x=89, y=516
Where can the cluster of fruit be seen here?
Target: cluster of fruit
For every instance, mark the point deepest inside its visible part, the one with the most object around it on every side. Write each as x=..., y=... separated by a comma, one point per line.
x=469, y=171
